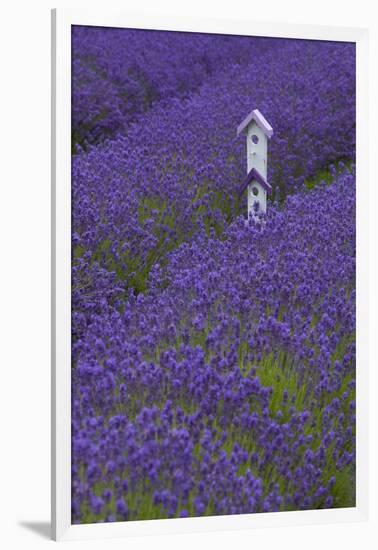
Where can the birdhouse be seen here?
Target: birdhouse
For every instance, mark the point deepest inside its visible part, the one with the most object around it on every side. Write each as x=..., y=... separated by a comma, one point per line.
x=258, y=131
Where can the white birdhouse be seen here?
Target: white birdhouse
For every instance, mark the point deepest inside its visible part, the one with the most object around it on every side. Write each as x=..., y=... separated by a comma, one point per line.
x=258, y=131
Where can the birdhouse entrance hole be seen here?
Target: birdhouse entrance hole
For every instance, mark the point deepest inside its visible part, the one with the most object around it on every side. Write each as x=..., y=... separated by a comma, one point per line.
x=255, y=191
x=255, y=139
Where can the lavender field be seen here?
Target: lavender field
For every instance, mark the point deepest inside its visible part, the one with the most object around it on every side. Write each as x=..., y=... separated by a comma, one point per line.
x=213, y=359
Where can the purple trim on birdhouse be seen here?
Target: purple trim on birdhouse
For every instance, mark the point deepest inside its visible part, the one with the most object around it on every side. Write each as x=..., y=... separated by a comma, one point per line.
x=255, y=175
x=260, y=121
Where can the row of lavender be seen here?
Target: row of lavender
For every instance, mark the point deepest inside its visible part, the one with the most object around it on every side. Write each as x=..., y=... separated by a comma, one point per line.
x=118, y=75
x=229, y=386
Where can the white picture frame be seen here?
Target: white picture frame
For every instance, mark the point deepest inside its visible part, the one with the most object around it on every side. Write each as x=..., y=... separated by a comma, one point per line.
x=62, y=20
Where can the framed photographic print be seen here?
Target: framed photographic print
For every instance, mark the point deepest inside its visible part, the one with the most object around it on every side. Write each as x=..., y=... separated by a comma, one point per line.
x=209, y=274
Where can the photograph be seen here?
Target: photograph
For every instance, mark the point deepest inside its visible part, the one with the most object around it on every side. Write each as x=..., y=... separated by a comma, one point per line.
x=213, y=274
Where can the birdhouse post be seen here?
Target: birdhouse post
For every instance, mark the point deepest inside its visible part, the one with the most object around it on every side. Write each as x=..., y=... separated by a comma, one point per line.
x=258, y=131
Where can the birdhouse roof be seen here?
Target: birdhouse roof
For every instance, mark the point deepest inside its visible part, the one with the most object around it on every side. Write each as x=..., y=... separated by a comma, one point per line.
x=261, y=121
x=255, y=175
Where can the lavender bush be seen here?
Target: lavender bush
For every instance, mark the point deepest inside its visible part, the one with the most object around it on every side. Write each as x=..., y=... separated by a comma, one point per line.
x=213, y=360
